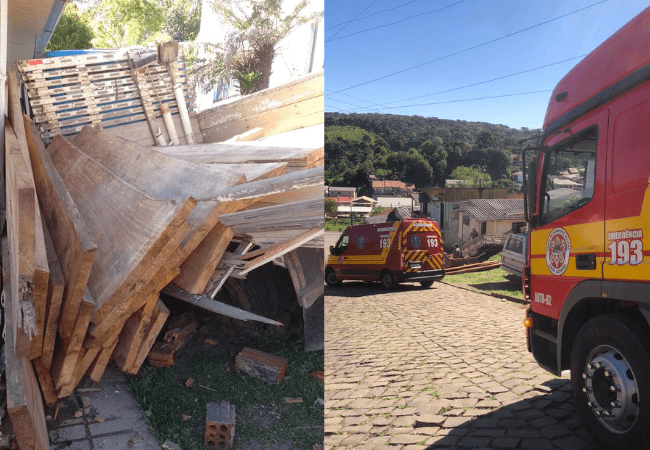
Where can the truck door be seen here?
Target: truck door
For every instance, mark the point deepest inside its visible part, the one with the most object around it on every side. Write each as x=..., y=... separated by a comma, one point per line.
x=568, y=246
x=627, y=202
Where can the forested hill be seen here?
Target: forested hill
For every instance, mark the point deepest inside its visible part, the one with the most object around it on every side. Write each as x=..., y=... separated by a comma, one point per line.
x=416, y=149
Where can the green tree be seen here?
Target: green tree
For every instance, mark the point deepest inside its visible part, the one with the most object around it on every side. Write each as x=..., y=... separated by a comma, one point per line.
x=182, y=19
x=472, y=176
x=122, y=23
x=485, y=140
x=330, y=207
x=434, y=152
x=495, y=161
x=73, y=31
x=248, y=52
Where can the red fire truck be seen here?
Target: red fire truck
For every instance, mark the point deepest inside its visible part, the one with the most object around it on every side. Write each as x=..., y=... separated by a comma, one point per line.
x=393, y=252
x=588, y=206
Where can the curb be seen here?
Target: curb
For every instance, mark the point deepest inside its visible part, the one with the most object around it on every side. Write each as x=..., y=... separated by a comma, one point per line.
x=499, y=296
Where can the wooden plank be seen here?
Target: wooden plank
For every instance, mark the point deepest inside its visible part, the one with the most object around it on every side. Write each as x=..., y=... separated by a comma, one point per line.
x=297, y=115
x=41, y=272
x=160, y=176
x=311, y=86
x=55, y=288
x=115, y=211
x=282, y=248
x=45, y=381
x=288, y=211
x=98, y=366
x=289, y=187
x=150, y=171
x=307, y=270
x=159, y=273
x=24, y=404
x=63, y=62
x=200, y=264
x=86, y=358
x=243, y=153
x=132, y=334
x=66, y=353
x=158, y=319
x=21, y=217
x=73, y=242
x=252, y=172
x=41, y=284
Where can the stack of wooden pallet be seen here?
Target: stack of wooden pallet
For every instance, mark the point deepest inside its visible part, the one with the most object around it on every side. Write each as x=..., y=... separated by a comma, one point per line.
x=99, y=225
x=66, y=93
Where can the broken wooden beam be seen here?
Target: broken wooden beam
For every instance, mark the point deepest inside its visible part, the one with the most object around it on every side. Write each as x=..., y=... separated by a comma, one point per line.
x=24, y=403
x=28, y=259
x=262, y=366
x=180, y=330
x=215, y=306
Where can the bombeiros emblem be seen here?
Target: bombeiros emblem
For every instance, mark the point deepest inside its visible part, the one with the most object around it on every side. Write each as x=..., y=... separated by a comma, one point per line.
x=558, y=248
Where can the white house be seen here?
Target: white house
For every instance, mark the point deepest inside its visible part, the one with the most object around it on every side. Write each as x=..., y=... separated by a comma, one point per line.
x=300, y=53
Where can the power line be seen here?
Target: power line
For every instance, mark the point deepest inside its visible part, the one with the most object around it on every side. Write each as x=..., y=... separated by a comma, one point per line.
x=469, y=48
x=471, y=99
x=473, y=84
x=355, y=98
x=373, y=14
x=393, y=23
x=353, y=19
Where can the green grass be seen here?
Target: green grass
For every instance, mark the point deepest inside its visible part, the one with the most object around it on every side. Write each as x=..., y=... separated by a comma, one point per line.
x=494, y=281
x=336, y=224
x=263, y=419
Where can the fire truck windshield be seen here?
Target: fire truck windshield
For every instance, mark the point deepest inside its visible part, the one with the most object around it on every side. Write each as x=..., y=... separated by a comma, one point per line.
x=568, y=176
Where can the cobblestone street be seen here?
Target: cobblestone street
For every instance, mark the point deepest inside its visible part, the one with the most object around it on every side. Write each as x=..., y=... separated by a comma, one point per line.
x=442, y=367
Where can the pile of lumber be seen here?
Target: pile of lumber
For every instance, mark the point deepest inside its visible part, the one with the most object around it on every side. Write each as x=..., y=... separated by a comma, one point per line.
x=476, y=267
x=98, y=225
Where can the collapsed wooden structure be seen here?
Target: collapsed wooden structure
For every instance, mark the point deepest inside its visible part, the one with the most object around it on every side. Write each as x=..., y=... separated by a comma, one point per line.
x=99, y=223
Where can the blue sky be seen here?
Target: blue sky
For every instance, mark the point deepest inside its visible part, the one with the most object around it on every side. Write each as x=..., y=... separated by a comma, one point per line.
x=464, y=43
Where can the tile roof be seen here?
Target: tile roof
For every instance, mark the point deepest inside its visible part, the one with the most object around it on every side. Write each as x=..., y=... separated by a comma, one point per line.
x=495, y=209
x=393, y=184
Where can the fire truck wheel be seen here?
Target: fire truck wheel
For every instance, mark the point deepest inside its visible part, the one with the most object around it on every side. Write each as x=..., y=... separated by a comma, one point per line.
x=610, y=373
x=330, y=278
x=426, y=284
x=387, y=280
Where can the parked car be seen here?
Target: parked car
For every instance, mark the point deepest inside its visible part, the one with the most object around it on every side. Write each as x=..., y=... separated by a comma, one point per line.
x=513, y=255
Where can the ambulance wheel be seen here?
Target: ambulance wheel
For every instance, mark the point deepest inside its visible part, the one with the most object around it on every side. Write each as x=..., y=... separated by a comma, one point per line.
x=387, y=280
x=330, y=278
x=610, y=380
x=426, y=284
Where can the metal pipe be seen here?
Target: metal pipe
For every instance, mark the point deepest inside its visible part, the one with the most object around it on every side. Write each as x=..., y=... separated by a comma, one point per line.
x=167, y=115
x=182, y=109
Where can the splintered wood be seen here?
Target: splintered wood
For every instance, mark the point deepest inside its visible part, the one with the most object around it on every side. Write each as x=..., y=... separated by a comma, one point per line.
x=98, y=225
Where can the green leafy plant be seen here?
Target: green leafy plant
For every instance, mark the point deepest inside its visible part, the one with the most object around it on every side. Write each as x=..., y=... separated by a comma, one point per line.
x=258, y=26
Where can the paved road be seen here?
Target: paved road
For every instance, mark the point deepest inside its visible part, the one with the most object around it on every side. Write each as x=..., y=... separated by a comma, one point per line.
x=438, y=368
